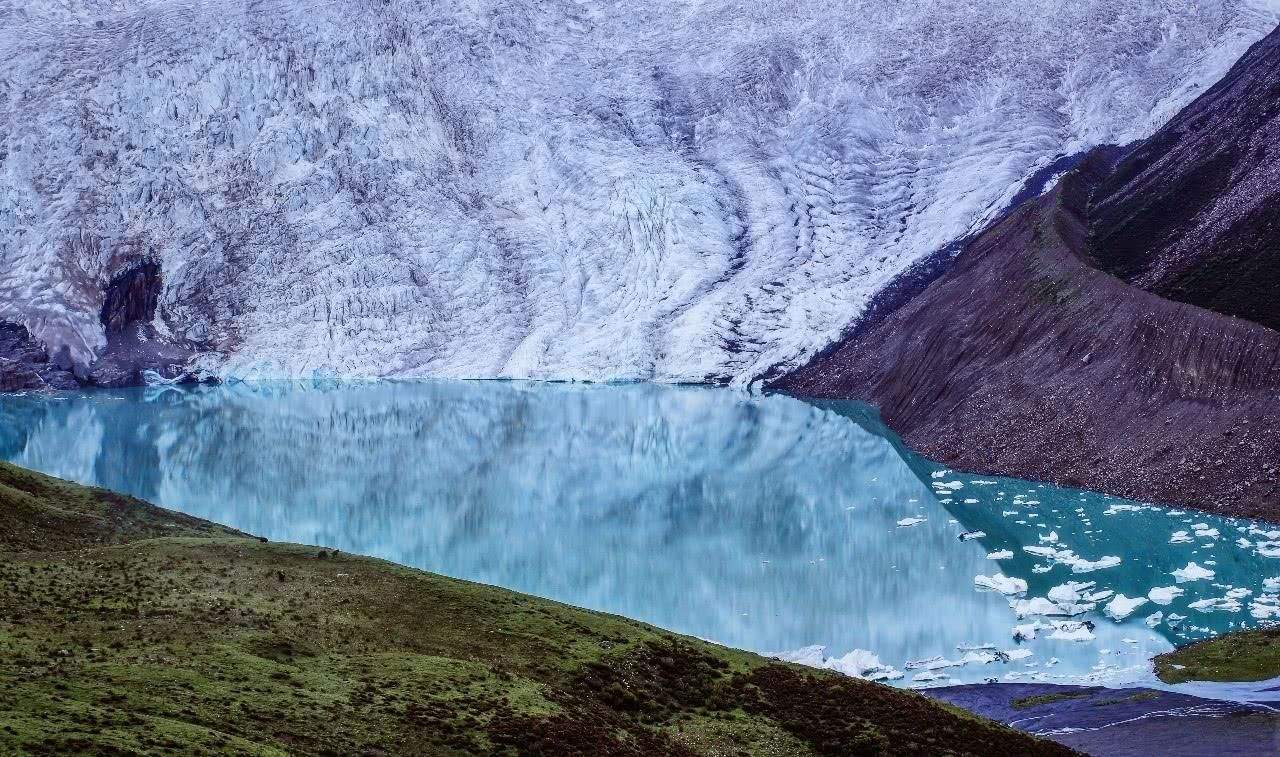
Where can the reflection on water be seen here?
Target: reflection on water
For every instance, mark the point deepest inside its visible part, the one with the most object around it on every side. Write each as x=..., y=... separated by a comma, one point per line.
x=760, y=522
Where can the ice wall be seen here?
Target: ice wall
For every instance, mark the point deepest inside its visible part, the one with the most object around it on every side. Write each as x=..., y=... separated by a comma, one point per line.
x=669, y=190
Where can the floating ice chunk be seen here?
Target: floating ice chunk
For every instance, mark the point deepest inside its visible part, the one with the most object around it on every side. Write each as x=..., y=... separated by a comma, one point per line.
x=1180, y=537
x=1026, y=631
x=1018, y=654
x=1068, y=557
x=929, y=677
x=1122, y=607
x=984, y=657
x=971, y=501
x=971, y=535
x=1192, y=572
x=1071, y=591
x=1041, y=551
x=1049, y=538
x=1154, y=619
x=1268, y=548
x=1216, y=604
x=1073, y=631
x=1163, y=595
x=1002, y=554
x=933, y=663
x=939, y=473
x=1204, y=531
x=1265, y=607
x=1239, y=593
x=909, y=522
x=1271, y=584
x=1036, y=606
x=1001, y=583
x=948, y=485
x=1081, y=565
x=1243, y=543
x=1122, y=508
x=1175, y=619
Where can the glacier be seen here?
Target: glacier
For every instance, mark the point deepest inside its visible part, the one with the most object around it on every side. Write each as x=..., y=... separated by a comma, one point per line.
x=679, y=190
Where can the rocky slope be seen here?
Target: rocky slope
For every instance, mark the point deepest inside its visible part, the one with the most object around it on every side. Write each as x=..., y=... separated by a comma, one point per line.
x=567, y=188
x=1193, y=214
x=1026, y=358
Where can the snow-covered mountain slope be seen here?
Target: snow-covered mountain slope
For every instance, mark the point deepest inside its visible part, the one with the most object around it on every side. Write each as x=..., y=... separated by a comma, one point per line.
x=675, y=190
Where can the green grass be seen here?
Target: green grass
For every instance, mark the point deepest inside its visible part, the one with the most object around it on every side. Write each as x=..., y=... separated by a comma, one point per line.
x=128, y=629
x=1025, y=703
x=1141, y=696
x=1243, y=656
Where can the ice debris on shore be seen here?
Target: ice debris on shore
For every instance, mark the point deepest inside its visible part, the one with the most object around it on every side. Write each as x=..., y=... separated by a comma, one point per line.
x=858, y=663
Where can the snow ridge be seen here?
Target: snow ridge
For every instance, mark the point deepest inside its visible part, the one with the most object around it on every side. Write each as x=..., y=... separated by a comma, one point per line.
x=675, y=190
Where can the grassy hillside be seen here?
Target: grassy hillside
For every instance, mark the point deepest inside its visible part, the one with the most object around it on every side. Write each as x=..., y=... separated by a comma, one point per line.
x=1242, y=656
x=125, y=628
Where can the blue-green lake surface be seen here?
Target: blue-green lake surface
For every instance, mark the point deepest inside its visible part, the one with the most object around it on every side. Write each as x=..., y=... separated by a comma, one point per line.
x=765, y=523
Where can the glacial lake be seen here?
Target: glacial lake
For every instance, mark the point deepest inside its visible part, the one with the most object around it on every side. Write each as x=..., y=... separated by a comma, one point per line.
x=766, y=523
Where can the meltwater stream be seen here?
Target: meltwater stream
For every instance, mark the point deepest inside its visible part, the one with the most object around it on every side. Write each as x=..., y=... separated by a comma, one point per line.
x=759, y=522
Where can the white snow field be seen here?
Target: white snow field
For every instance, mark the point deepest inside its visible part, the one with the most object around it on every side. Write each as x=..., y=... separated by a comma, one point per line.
x=667, y=190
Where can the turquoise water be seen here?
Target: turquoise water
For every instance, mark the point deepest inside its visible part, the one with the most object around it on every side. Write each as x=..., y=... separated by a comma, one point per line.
x=760, y=522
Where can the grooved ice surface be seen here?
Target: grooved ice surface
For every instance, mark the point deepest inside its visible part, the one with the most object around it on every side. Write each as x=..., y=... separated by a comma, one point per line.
x=663, y=190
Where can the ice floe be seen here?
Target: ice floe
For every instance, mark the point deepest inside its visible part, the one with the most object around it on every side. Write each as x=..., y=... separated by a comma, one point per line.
x=1163, y=595
x=1216, y=604
x=1265, y=607
x=1073, y=631
x=1001, y=583
x=909, y=522
x=1026, y=631
x=1000, y=554
x=933, y=663
x=1204, y=531
x=1068, y=557
x=1192, y=572
x=1122, y=607
x=1268, y=548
